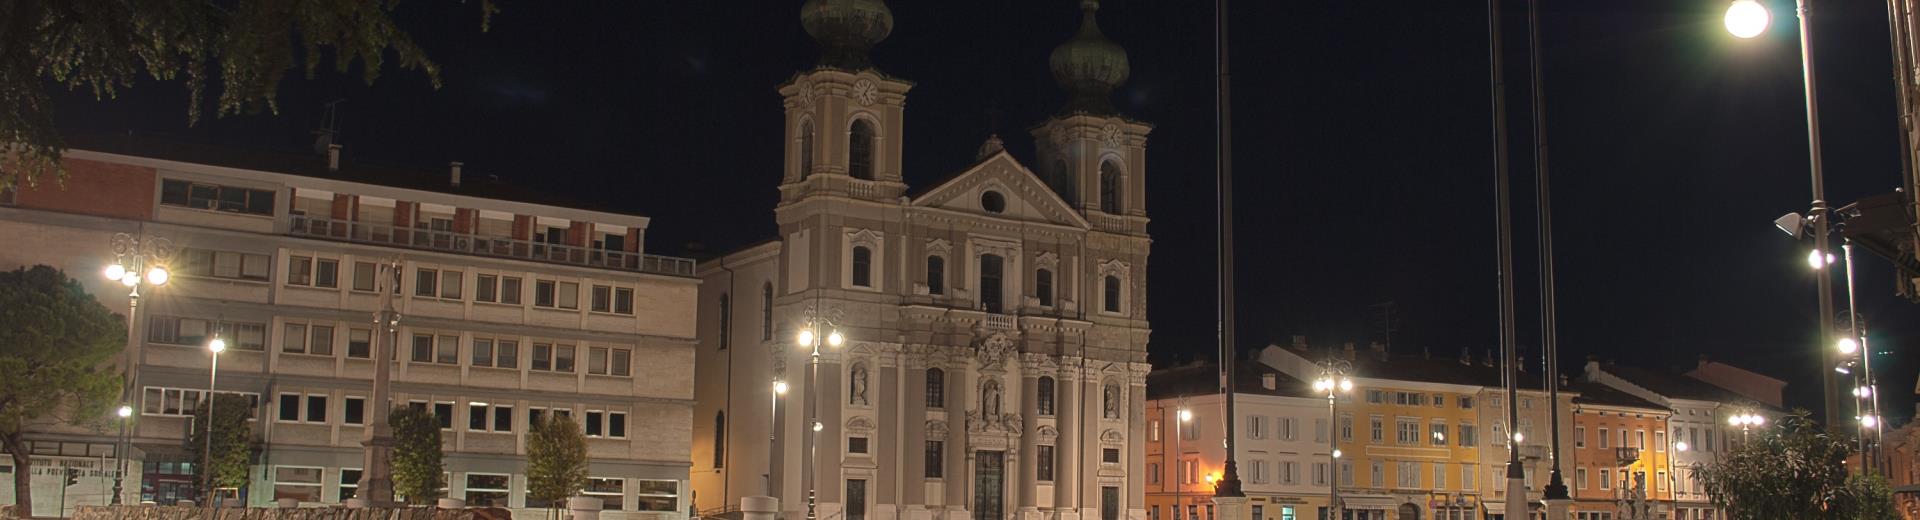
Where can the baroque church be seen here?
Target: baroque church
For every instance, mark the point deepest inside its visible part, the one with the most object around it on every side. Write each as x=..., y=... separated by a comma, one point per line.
x=971, y=349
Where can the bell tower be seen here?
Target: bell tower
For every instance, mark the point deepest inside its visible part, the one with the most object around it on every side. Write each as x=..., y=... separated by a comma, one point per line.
x=844, y=118
x=1094, y=157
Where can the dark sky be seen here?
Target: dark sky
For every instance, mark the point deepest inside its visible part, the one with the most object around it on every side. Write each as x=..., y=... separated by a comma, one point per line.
x=1363, y=151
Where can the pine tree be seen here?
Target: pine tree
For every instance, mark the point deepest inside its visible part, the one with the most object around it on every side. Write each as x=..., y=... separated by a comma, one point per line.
x=56, y=350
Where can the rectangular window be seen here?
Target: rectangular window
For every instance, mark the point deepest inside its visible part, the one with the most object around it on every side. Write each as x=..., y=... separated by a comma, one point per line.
x=623, y=301
x=563, y=358
x=1437, y=434
x=349, y=483
x=1109, y=455
x=364, y=275
x=1468, y=435
x=602, y=300
x=300, y=270
x=293, y=338
x=1640, y=439
x=1346, y=427
x=298, y=483
x=510, y=290
x=229, y=265
x=1606, y=479
x=1466, y=402
x=213, y=197
x=1046, y=464
x=610, y=491
x=568, y=295
x=1407, y=431
x=477, y=417
x=487, y=490
x=422, y=348
x=1320, y=473
x=1467, y=477
x=360, y=343
x=1320, y=430
x=1256, y=426
x=447, y=350
x=486, y=288
x=1661, y=480
x=326, y=273
x=1379, y=431
x=426, y=283
x=295, y=407
x=506, y=354
x=1439, y=475
x=444, y=412
x=317, y=408
x=658, y=495
x=1346, y=473
x=936, y=459
x=1606, y=441
x=543, y=293
x=857, y=445
x=482, y=352
x=1379, y=473
x=1580, y=478
x=1659, y=440
x=1579, y=436
x=353, y=411
x=542, y=357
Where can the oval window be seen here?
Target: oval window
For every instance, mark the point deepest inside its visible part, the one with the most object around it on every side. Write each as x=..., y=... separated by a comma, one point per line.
x=993, y=202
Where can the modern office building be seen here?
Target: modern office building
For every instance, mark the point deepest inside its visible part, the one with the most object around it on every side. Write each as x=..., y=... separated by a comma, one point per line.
x=512, y=307
x=982, y=338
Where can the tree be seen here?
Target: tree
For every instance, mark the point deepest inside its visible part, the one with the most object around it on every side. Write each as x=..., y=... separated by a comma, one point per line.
x=418, y=469
x=232, y=447
x=56, y=350
x=246, y=48
x=1795, y=469
x=556, y=460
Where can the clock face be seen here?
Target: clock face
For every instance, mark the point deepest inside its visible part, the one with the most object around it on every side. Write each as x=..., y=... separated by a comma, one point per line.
x=864, y=92
x=1111, y=134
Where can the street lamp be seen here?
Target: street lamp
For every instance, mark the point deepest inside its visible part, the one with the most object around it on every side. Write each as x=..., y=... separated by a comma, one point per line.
x=120, y=451
x=1673, y=476
x=1335, y=378
x=809, y=337
x=1857, y=341
x=1180, y=474
x=214, y=347
x=1747, y=19
x=136, y=262
x=1746, y=420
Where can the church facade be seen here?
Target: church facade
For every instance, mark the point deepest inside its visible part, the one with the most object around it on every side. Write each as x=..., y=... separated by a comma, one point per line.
x=970, y=349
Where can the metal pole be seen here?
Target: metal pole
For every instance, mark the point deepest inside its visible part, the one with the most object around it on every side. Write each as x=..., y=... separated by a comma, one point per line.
x=126, y=394
x=1516, y=475
x=1862, y=380
x=1333, y=462
x=813, y=422
x=1549, y=334
x=1179, y=469
x=773, y=439
x=206, y=466
x=1819, y=215
x=1229, y=485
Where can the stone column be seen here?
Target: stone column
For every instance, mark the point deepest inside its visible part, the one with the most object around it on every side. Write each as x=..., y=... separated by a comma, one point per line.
x=1067, y=475
x=1235, y=508
x=959, y=472
x=1029, y=439
x=759, y=508
x=833, y=437
x=1560, y=509
x=913, y=450
x=1088, y=458
x=886, y=433
x=1136, y=455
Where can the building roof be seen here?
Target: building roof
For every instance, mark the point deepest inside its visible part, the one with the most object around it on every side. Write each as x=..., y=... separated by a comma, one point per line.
x=1602, y=395
x=315, y=165
x=1672, y=385
x=1199, y=379
x=1452, y=370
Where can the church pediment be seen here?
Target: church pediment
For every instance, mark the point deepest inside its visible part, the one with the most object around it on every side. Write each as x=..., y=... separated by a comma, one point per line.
x=1021, y=194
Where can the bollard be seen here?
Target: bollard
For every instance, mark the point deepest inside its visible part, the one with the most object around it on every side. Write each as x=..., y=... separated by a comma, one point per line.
x=584, y=508
x=759, y=508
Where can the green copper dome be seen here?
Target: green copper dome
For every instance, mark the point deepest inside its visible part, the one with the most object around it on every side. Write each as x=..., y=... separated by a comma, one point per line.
x=1089, y=66
x=846, y=29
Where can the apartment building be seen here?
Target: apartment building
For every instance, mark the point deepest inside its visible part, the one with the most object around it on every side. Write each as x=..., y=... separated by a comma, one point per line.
x=513, y=307
x=1284, y=453
x=1621, y=456
x=1425, y=436
x=1698, y=413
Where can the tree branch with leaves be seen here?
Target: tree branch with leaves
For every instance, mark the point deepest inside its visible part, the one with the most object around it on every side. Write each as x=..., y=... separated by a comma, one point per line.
x=1796, y=469
x=57, y=345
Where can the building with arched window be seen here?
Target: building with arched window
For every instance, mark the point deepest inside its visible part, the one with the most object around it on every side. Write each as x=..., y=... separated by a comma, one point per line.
x=993, y=315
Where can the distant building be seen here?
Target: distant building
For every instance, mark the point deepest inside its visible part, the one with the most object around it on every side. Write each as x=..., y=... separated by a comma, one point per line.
x=1698, y=413
x=994, y=322
x=513, y=307
x=1284, y=452
x=1620, y=456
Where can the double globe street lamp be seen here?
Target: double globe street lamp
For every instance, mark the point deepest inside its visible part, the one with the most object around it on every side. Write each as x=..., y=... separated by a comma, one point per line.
x=810, y=336
x=1334, y=380
x=137, y=262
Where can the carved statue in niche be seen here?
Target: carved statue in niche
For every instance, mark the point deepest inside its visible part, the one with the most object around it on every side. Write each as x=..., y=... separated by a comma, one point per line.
x=859, y=394
x=1111, y=395
x=990, y=397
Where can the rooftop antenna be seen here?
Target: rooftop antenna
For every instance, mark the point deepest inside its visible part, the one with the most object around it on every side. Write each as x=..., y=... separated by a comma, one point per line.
x=329, y=126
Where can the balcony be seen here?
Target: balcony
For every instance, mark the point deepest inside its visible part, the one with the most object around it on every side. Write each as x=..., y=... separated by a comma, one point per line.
x=450, y=242
x=1627, y=456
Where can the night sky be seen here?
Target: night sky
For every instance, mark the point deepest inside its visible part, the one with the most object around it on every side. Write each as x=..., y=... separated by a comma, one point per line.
x=1363, y=151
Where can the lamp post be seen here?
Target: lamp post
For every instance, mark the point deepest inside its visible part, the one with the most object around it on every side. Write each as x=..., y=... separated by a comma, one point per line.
x=1673, y=477
x=214, y=348
x=1747, y=19
x=812, y=338
x=137, y=262
x=773, y=440
x=125, y=413
x=1334, y=380
x=1865, y=396
x=1180, y=474
x=1746, y=420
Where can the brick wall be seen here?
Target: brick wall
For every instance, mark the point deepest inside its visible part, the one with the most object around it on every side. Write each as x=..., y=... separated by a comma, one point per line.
x=96, y=188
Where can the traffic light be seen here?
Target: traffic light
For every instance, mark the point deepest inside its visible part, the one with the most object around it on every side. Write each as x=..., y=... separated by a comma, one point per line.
x=73, y=476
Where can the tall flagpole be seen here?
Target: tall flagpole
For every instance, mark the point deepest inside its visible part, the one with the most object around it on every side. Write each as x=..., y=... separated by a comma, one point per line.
x=1229, y=485
x=1516, y=503
x=1556, y=494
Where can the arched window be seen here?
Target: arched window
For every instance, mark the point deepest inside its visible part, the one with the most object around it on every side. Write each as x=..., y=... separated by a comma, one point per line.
x=1045, y=389
x=1110, y=188
x=806, y=149
x=990, y=266
x=766, y=312
x=936, y=388
x=726, y=321
x=862, y=266
x=719, y=440
x=936, y=275
x=1113, y=294
x=1043, y=287
x=860, y=150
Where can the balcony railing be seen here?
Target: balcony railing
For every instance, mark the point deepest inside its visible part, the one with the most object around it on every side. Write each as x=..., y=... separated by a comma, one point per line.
x=448, y=241
x=1627, y=455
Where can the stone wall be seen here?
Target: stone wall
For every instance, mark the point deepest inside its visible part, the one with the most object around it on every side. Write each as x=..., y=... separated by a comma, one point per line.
x=256, y=513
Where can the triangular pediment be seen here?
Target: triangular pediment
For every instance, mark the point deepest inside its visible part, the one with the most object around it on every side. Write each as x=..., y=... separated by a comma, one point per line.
x=1027, y=198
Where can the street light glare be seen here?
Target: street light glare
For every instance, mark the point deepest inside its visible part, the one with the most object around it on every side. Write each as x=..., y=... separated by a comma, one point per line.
x=805, y=337
x=130, y=279
x=780, y=387
x=1336, y=453
x=116, y=271
x=1814, y=259
x=158, y=276
x=1186, y=415
x=1848, y=346
x=217, y=345
x=124, y=411
x=817, y=426
x=1867, y=421
x=1346, y=385
x=1747, y=18
x=1680, y=446
x=835, y=339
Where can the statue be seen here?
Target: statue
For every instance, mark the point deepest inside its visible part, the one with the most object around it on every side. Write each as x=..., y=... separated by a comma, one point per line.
x=859, y=394
x=990, y=398
x=1111, y=395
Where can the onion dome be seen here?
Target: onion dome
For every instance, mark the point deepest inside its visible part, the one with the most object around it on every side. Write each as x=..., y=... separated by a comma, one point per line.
x=846, y=29
x=1089, y=66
